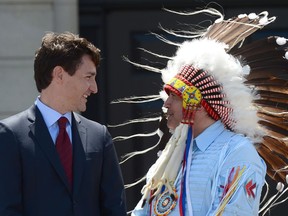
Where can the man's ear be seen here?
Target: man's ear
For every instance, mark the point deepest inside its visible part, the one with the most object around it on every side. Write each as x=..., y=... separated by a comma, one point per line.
x=57, y=73
x=201, y=111
x=200, y=108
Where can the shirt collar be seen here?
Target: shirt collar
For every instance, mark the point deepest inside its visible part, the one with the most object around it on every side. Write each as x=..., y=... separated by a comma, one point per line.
x=50, y=115
x=204, y=140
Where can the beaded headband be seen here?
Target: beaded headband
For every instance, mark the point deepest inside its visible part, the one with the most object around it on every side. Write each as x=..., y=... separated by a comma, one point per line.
x=196, y=88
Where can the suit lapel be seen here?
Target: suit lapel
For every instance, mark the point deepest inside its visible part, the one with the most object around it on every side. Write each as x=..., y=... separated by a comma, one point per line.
x=79, y=143
x=43, y=138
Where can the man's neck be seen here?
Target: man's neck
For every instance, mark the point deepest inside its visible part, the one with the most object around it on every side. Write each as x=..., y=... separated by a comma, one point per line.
x=52, y=101
x=201, y=122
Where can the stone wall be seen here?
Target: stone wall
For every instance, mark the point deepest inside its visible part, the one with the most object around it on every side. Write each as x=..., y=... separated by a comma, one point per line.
x=22, y=25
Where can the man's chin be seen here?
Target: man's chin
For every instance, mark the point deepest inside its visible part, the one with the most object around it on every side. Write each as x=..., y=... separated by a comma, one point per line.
x=80, y=109
x=170, y=126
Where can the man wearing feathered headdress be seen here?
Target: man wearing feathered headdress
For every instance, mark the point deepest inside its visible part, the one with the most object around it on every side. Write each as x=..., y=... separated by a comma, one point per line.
x=210, y=165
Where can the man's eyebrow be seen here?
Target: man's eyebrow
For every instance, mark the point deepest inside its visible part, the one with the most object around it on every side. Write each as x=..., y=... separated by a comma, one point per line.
x=93, y=73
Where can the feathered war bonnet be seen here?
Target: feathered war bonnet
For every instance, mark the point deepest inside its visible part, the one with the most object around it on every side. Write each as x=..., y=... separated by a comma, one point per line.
x=243, y=85
x=219, y=76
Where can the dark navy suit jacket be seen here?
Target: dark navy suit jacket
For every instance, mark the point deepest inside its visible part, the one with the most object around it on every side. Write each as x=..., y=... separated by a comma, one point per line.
x=33, y=182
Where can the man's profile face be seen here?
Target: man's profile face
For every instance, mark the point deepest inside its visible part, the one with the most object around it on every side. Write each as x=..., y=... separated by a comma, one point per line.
x=80, y=86
x=174, y=110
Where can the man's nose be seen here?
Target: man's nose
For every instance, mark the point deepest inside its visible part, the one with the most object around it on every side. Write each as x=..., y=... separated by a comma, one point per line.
x=167, y=102
x=93, y=86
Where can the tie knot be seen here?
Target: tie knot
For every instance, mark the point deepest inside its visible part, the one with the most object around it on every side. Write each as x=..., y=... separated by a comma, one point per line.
x=62, y=122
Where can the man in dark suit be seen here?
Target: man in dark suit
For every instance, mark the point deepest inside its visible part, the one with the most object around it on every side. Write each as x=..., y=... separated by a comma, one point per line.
x=53, y=170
